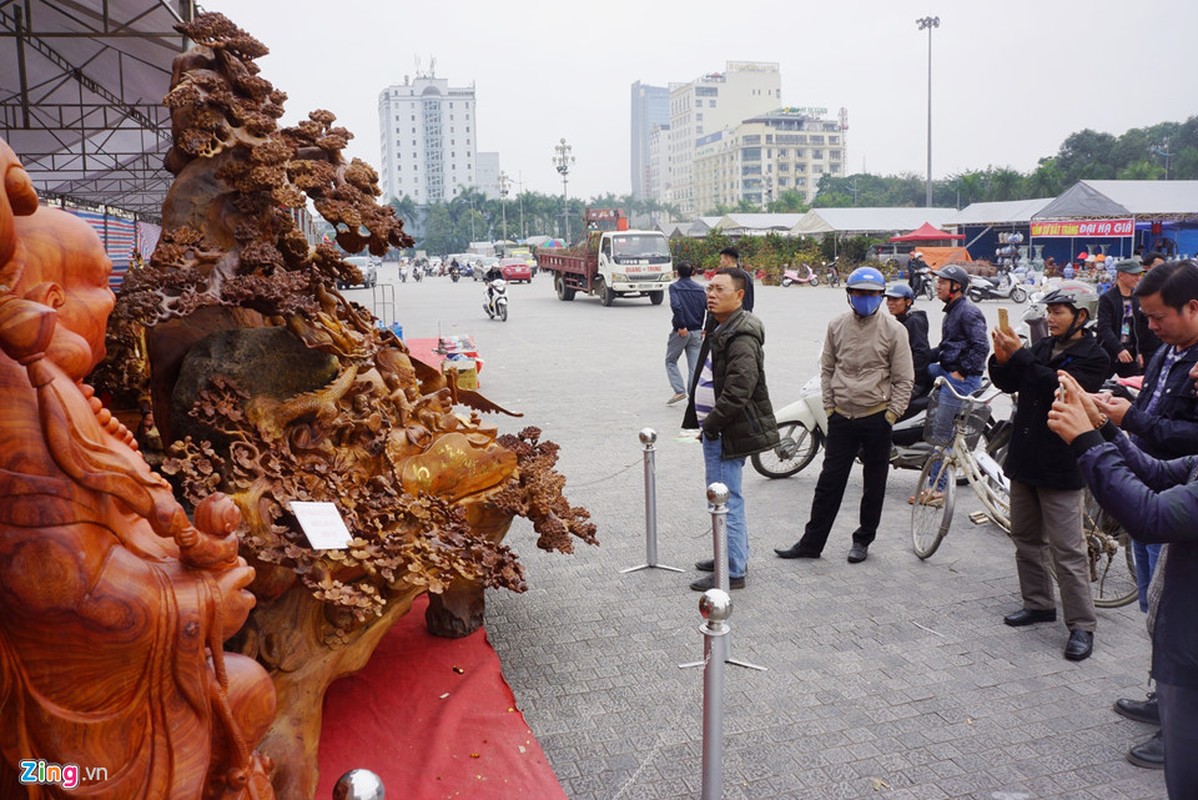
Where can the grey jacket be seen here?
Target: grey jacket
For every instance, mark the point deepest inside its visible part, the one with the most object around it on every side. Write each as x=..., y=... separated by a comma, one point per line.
x=866, y=365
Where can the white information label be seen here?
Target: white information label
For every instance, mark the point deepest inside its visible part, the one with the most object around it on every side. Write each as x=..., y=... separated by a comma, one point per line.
x=322, y=524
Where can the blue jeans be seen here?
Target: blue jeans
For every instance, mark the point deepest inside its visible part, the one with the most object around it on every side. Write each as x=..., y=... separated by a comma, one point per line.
x=1146, y=556
x=674, y=349
x=947, y=407
x=728, y=472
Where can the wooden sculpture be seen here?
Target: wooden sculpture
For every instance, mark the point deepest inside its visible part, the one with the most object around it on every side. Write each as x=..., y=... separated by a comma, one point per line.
x=268, y=385
x=113, y=606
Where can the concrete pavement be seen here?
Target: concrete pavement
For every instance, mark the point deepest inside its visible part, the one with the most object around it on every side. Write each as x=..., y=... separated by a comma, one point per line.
x=891, y=678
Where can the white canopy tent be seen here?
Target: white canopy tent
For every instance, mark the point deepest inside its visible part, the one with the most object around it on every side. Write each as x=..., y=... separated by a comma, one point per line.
x=868, y=221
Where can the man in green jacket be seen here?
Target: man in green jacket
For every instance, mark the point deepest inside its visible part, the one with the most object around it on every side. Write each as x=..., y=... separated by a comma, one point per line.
x=730, y=404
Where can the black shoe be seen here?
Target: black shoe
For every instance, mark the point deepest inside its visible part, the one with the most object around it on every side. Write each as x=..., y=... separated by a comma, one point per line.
x=705, y=566
x=858, y=553
x=1080, y=645
x=1149, y=754
x=1030, y=616
x=1146, y=710
x=708, y=582
x=794, y=551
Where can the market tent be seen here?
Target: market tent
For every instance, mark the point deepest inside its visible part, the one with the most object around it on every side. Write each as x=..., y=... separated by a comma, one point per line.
x=1002, y=212
x=757, y=224
x=875, y=221
x=81, y=88
x=926, y=233
x=1101, y=199
x=703, y=226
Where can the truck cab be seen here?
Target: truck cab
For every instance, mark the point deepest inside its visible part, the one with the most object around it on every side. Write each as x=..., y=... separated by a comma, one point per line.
x=635, y=262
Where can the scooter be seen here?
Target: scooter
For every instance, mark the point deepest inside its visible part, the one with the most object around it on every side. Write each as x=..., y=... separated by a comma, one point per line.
x=418, y=273
x=496, y=301
x=832, y=272
x=453, y=274
x=805, y=275
x=1002, y=288
x=403, y=273
x=923, y=282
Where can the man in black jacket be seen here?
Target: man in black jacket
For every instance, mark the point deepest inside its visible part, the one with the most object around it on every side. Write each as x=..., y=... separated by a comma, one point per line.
x=900, y=302
x=730, y=404
x=1122, y=328
x=1046, y=486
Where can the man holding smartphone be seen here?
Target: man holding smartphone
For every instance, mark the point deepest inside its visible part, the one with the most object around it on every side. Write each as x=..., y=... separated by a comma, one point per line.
x=1046, y=486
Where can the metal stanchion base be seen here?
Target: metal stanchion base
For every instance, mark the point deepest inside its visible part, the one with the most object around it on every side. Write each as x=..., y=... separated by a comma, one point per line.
x=722, y=648
x=650, y=566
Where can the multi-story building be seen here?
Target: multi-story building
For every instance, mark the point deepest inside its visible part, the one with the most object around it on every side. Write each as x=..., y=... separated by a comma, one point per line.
x=709, y=104
x=650, y=109
x=486, y=175
x=428, y=137
x=657, y=169
x=788, y=149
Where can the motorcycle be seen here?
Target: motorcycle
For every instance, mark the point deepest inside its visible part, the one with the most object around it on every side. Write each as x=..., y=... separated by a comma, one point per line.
x=418, y=273
x=803, y=428
x=403, y=273
x=805, y=275
x=496, y=302
x=832, y=272
x=1004, y=287
x=453, y=274
x=922, y=280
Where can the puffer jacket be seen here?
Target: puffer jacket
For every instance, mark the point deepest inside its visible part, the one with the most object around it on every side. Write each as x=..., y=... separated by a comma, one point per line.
x=1171, y=431
x=1037, y=456
x=1156, y=502
x=743, y=416
x=963, y=339
x=866, y=365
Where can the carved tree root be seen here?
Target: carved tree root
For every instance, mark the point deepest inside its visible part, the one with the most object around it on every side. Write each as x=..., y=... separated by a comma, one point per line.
x=291, y=642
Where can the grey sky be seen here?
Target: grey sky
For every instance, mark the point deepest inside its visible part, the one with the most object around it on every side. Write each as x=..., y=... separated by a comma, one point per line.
x=1010, y=79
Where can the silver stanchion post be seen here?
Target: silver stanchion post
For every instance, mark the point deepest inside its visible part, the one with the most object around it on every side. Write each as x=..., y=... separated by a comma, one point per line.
x=648, y=437
x=717, y=498
x=715, y=606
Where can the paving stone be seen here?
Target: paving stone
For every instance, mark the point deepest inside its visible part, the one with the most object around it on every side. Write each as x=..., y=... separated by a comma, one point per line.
x=895, y=669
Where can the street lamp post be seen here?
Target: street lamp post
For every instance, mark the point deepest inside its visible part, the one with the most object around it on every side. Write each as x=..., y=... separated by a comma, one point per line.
x=561, y=162
x=503, y=190
x=929, y=23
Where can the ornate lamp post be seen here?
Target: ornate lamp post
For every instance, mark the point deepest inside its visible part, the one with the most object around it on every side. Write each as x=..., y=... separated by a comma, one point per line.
x=561, y=162
x=929, y=23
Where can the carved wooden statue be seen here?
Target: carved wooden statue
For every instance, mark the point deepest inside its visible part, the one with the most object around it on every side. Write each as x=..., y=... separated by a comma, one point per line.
x=268, y=385
x=113, y=606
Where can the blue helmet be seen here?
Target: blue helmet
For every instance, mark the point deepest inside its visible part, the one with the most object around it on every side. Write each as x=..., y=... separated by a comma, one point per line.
x=899, y=290
x=866, y=278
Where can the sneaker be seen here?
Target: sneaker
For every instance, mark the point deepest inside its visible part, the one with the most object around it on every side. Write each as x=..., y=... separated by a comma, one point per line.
x=678, y=398
x=708, y=582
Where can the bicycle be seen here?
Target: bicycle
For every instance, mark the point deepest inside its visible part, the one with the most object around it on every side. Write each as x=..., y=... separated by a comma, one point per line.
x=934, y=499
x=1109, y=556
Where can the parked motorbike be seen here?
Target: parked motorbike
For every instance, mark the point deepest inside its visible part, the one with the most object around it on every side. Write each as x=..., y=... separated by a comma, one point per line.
x=803, y=428
x=1004, y=287
x=832, y=272
x=496, y=300
x=804, y=275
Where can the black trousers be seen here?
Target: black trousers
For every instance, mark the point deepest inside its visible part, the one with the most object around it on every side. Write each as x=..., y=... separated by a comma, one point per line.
x=869, y=436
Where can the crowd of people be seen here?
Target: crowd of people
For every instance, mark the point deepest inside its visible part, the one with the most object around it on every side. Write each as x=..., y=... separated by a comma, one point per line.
x=1139, y=459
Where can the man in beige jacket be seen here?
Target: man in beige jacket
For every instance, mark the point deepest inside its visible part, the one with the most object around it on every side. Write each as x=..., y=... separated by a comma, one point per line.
x=867, y=377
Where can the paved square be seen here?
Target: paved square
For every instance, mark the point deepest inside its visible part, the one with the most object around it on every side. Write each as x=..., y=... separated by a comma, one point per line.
x=891, y=678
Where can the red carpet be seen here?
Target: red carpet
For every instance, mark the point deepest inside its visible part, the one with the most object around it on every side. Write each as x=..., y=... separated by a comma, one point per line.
x=435, y=719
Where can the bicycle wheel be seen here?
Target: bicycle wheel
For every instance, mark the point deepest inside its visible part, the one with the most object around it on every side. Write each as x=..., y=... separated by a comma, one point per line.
x=796, y=448
x=932, y=508
x=1112, y=565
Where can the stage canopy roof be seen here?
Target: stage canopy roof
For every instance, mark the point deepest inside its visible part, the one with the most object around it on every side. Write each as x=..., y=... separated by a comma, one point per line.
x=81, y=88
x=1101, y=199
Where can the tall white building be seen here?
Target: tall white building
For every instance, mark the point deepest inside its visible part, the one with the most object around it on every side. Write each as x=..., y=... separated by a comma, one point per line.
x=784, y=150
x=486, y=175
x=711, y=103
x=429, y=139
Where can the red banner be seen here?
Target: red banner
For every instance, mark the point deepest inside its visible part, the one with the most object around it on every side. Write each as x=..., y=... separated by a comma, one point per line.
x=1084, y=227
